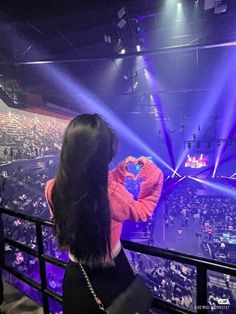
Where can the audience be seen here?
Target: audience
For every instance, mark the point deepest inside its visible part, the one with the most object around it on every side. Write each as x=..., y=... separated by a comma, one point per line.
x=217, y=231
x=23, y=191
x=24, y=136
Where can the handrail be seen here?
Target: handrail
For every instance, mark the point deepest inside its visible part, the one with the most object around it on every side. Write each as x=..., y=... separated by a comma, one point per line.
x=202, y=265
x=192, y=260
x=142, y=248
x=33, y=219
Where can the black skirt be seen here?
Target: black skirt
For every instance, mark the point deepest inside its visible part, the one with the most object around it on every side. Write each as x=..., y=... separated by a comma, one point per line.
x=108, y=282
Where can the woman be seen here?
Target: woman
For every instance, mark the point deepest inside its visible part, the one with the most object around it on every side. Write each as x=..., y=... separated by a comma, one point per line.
x=89, y=206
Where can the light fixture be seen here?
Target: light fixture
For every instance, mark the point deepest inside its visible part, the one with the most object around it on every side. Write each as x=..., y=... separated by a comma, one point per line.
x=220, y=7
x=218, y=142
x=138, y=48
x=121, y=24
x=107, y=39
x=123, y=51
x=121, y=13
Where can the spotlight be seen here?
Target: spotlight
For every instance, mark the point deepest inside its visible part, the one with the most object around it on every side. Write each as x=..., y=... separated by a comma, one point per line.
x=138, y=48
x=123, y=51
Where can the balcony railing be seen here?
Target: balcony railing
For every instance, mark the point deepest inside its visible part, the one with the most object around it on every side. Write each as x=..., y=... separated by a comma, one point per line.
x=202, y=265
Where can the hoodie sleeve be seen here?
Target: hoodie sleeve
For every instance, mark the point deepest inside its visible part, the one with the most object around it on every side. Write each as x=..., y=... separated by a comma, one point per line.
x=123, y=205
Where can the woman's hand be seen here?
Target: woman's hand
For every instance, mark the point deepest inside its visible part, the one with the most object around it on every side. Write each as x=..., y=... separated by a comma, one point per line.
x=143, y=160
x=125, y=164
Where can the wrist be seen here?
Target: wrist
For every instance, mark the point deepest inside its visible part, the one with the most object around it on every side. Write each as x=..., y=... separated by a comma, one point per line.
x=147, y=170
x=119, y=174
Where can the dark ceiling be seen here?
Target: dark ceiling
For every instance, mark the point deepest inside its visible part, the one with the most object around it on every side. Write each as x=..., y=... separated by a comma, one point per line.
x=83, y=39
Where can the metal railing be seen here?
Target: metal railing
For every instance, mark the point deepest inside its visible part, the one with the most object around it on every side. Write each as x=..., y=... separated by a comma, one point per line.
x=202, y=266
x=39, y=253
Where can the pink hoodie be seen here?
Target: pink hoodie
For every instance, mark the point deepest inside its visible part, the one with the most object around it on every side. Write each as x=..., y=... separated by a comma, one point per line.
x=123, y=206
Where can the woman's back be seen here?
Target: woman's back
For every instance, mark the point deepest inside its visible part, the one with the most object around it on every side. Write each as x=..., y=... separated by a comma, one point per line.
x=89, y=205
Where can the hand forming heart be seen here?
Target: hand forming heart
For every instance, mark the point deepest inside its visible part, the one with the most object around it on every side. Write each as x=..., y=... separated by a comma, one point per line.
x=132, y=160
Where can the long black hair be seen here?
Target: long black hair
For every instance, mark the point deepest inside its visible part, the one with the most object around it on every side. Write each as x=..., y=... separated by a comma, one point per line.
x=80, y=200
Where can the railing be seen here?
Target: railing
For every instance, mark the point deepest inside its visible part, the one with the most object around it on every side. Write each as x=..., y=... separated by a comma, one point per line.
x=39, y=253
x=202, y=266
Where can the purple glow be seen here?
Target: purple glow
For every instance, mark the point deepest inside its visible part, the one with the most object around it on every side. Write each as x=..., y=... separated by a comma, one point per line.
x=91, y=103
x=217, y=187
x=157, y=101
x=208, y=105
x=226, y=125
x=172, y=186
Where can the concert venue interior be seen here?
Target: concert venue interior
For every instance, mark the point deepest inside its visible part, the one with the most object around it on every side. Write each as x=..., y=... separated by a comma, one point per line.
x=163, y=74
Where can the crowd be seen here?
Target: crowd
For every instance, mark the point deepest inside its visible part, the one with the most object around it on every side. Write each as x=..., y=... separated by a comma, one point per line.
x=26, y=136
x=170, y=281
x=214, y=216
x=176, y=283
x=24, y=192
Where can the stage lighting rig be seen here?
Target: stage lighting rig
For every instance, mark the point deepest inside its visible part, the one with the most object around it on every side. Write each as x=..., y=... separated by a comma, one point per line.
x=209, y=143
